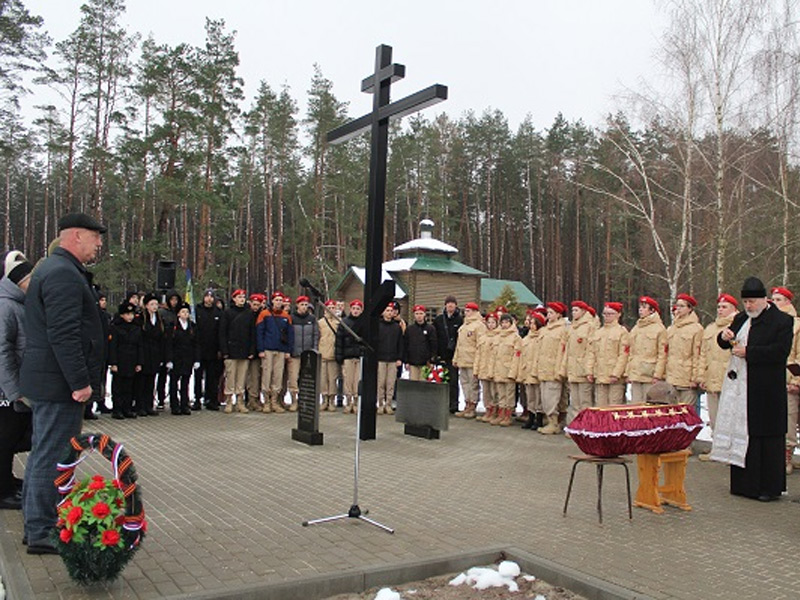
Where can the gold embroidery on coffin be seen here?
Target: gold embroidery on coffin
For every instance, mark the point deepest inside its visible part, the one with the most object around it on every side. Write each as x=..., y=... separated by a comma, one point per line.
x=672, y=411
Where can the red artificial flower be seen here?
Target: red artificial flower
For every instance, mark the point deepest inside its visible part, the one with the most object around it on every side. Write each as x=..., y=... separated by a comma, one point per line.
x=65, y=535
x=87, y=496
x=110, y=537
x=98, y=478
x=101, y=510
x=97, y=484
x=74, y=515
x=119, y=520
x=117, y=484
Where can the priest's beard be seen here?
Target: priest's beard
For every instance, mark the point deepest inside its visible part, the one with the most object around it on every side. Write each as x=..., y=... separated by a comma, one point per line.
x=754, y=313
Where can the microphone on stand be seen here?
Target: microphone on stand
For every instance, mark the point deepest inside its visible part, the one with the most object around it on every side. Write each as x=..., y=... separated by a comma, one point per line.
x=314, y=291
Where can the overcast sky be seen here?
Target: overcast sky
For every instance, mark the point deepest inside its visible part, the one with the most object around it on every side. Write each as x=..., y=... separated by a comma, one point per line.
x=534, y=57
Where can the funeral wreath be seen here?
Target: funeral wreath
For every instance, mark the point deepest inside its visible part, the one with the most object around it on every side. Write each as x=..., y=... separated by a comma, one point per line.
x=100, y=520
x=435, y=373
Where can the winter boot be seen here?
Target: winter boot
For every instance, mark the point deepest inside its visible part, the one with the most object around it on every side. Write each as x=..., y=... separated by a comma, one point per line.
x=552, y=426
x=381, y=407
x=387, y=408
x=277, y=405
x=228, y=404
x=467, y=407
x=268, y=401
x=540, y=419
x=499, y=413
x=293, y=405
x=506, y=420
x=240, y=407
x=489, y=414
x=789, y=465
x=331, y=404
x=469, y=413
x=531, y=422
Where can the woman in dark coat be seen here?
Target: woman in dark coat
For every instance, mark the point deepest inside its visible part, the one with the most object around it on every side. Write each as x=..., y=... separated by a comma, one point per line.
x=183, y=356
x=765, y=352
x=154, y=347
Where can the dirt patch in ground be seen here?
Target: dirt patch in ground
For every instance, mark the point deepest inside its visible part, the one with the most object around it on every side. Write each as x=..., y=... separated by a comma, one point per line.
x=438, y=588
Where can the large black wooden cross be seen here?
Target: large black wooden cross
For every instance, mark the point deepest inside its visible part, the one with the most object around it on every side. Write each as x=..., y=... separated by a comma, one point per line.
x=378, y=84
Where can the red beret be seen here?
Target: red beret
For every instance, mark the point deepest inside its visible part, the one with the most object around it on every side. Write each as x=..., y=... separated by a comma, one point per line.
x=580, y=304
x=648, y=300
x=357, y=302
x=539, y=317
x=330, y=302
x=238, y=293
x=418, y=307
x=615, y=306
x=258, y=297
x=592, y=310
x=783, y=292
x=472, y=306
x=541, y=310
x=727, y=298
x=559, y=307
x=301, y=299
x=277, y=295
x=687, y=298
x=490, y=315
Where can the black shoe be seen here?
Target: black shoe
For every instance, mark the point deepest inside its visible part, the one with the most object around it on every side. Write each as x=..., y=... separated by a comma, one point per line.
x=103, y=409
x=214, y=407
x=11, y=502
x=90, y=416
x=117, y=415
x=531, y=422
x=141, y=413
x=41, y=547
x=151, y=412
x=197, y=406
x=18, y=484
x=130, y=415
x=175, y=412
x=186, y=411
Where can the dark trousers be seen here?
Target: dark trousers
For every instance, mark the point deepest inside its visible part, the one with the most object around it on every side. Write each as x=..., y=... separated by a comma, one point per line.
x=122, y=387
x=143, y=392
x=453, y=383
x=54, y=424
x=15, y=436
x=206, y=381
x=161, y=384
x=179, y=392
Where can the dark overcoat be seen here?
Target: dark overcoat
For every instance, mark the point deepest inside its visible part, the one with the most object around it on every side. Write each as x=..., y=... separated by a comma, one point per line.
x=420, y=344
x=154, y=343
x=207, y=320
x=65, y=346
x=447, y=333
x=125, y=347
x=183, y=350
x=768, y=346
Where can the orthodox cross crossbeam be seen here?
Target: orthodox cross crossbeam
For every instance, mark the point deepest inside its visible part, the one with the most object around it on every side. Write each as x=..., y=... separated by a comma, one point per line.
x=379, y=84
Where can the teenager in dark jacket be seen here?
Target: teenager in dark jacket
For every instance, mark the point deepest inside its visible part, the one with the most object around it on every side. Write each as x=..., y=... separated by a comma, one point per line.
x=154, y=348
x=183, y=356
x=169, y=315
x=447, y=324
x=420, y=344
x=306, y=337
x=125, y=357
x=274, y=341
x=389, y=353
x=206, y=376
x=348, y=353
x=237, y=341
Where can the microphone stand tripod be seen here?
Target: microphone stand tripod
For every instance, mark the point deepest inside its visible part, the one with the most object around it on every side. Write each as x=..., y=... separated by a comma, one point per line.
x=355, y=511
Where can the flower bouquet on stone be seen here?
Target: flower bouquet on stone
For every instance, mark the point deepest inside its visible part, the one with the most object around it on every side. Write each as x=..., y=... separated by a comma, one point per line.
x=100, y=521
x=435, y=373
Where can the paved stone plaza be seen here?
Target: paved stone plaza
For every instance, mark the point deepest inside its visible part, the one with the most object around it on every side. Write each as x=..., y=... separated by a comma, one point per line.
x=225, y=496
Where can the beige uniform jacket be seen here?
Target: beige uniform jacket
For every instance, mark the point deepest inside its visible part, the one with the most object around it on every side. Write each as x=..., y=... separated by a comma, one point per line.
x=327, y=338
x=794, y=353
x=468, y=335
x=528, y=349
x=608, y=353
x=552, y=346
x=484, y=359
x=648, y=354
x=505, y=356
x=576, y=357
x=684, y=338
x=713, y=359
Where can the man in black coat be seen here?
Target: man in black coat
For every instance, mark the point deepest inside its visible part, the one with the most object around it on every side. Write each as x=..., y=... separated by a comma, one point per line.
x=765, y=349
x=63, y=362
x=207, y=318
x=420, y=344
x=447, y=324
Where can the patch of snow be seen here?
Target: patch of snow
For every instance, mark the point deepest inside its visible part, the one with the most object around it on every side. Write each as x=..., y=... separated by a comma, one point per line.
x=429, y=244
x=540, y=597
x=387, y=594
x=508, y=568
x=529, y=577
x=361, y=274
x=482, y=578
x=399, y=264
x=458, y=579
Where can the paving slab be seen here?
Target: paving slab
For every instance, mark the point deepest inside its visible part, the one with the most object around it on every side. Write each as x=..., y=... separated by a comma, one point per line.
x=226, y=496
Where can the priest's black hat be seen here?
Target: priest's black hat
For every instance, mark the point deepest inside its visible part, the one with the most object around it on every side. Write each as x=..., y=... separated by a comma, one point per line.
x=753, y=287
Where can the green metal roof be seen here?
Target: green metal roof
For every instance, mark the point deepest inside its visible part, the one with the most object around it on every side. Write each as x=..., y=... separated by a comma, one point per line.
x=491, y=288
x=443, y=264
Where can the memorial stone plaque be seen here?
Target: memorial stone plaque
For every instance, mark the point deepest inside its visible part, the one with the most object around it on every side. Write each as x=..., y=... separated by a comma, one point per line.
x=307, y=430
x=423, y=407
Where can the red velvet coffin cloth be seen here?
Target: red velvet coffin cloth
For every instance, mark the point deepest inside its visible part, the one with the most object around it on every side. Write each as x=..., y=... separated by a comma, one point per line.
x=635, y=429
